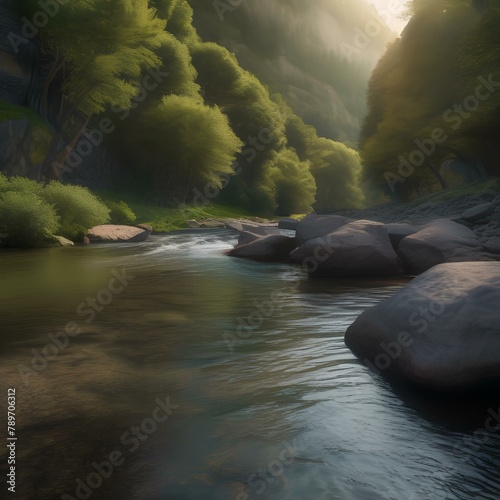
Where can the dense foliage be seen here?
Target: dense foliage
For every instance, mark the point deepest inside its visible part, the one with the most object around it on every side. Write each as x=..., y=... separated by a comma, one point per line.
x=434, y=97
x=180, y=113
x=31, y=213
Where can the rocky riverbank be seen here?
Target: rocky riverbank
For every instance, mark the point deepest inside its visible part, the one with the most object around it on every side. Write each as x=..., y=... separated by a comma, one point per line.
x=441, y=331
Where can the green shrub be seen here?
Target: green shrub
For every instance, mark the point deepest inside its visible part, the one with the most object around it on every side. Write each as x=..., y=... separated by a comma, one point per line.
x=19, y=185
x=120, y=212
x=77, y=207
x=26, y=218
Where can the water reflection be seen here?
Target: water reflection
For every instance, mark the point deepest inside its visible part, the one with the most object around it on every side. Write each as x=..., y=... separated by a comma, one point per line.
x=288, y=413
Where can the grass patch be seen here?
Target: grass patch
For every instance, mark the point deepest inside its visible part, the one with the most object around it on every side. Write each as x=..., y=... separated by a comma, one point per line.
x=490, y=187
x=165, y=220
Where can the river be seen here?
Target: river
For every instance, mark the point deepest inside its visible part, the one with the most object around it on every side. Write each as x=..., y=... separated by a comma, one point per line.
x=166, y=370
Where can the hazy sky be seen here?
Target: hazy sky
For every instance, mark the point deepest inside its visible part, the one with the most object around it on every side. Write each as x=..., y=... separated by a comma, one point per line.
x=390, y=10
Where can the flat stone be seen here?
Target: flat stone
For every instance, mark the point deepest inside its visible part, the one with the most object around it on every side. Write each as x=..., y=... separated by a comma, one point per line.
x=110, y=233
x=479, y=212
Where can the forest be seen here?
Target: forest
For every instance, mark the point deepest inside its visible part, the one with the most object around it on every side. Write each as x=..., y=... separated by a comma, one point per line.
x=182, y=103
x=433, y=98
x=184, y=119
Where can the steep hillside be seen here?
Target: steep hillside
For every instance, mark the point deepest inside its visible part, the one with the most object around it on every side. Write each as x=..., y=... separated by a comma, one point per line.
x=318, y=54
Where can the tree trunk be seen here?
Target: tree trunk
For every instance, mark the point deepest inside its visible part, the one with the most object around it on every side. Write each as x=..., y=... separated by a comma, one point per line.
x=53, y=167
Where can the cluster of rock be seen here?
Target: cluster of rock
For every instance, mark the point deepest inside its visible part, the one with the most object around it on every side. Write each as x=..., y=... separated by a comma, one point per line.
x=335, y=245
x=441, y=331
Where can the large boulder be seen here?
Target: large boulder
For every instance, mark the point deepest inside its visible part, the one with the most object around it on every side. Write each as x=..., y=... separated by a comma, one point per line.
x=110, y=233
x=253, y=227
x=360, y=248
x=288, y=223
x=267, y=248
x=441, y=331
x=247, y=237
x=398, y=231
x=440, y=241
x=314, y=226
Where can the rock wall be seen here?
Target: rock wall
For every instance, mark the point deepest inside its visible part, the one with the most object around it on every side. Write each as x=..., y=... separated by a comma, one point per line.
x=18, y=61
x=23, y=143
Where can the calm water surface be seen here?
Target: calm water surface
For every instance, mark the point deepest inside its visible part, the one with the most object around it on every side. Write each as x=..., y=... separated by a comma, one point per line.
x=282, y=410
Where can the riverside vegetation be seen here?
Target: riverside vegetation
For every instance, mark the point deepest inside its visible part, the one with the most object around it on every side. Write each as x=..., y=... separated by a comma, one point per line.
x=176, y=109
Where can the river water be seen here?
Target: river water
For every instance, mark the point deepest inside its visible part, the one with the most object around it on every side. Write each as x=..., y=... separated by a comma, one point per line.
x=192, y=375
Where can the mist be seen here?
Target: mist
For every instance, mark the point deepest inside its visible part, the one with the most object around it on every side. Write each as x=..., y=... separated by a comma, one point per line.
x=319, y=55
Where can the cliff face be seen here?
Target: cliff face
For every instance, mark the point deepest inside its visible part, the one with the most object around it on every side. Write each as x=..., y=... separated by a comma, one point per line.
x=24, y=140
x=18, y=63
x=18, y=58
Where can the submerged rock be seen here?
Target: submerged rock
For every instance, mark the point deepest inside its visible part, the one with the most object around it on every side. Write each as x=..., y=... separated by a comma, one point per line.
x=441, y=331
x=110, y=233
x=360, y=248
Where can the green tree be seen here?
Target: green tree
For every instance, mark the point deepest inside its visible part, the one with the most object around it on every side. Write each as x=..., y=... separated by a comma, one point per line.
x=77, y=208
x=26, y=218
x=97, y=51
x=184, y=144
x=411, y=91
x=253, y=116
x=337, y=171
x=179, y=17
x=292, y=182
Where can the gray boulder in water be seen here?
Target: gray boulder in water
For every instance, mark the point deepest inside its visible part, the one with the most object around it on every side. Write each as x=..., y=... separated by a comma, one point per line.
x=442, y=331
x=314, y=226
x=360, y=248
x=266, y=248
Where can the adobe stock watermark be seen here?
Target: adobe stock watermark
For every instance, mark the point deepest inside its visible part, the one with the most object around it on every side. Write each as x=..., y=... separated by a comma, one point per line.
x=30, y=28
x=266, y=308
x=259, y=481
x=480, y=436
x=92, y=139
x=420, y=320
x=255, y=145
x=223, y=6
x=363, y=37
x=131, y=440
x=60, y=340
x=454, y=117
